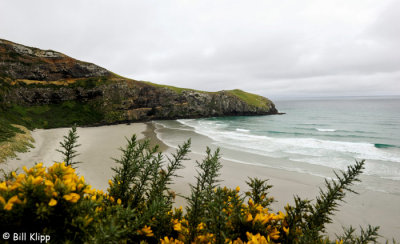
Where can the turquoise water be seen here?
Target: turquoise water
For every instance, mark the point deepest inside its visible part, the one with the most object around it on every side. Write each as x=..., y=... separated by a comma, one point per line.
x=314, y=137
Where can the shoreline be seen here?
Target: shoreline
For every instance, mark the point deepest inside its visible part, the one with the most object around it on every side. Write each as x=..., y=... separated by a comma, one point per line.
x=151, y=135
x=368, y=207
x=100, y=144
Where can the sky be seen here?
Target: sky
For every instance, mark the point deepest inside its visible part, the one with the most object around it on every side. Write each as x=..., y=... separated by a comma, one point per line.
x=276, y=48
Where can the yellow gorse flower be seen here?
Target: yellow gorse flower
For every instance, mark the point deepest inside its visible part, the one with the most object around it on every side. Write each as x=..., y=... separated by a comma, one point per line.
x=201, y=226
x=146, y=230
x=60, y=184
x=178, y=226
x=2, y=200
x=286, y=230
x=206, y=238
x=72, y=197
x=3, y=186
x=57, y=181
x=256, y=239
x=251, y=203
x=14, y=199
x=52, y=202
x=274, y=234
x=37, y=180
x=171, y=240
x=8, y=206
x=249, y=217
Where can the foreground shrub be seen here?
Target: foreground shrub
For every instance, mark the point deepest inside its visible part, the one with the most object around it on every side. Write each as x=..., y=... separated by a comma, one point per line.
x=137, y=207
x=54, y=201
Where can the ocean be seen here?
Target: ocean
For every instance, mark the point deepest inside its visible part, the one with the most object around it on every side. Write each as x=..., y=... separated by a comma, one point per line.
x=314, y=136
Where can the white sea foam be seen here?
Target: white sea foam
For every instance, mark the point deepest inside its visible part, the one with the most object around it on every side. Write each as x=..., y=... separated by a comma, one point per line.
x=325, y=130
x=242, y=130
x=160, y=124
x=329, y=153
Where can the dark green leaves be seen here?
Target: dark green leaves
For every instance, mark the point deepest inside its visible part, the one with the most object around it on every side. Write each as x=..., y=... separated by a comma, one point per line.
x=68, y=147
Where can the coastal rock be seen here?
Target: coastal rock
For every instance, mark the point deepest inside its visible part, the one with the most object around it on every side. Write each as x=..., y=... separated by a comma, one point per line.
x=21, y=62
x=30, y=77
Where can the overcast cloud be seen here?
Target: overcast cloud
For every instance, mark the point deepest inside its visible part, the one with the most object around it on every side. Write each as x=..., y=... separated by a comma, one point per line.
x=274, y=48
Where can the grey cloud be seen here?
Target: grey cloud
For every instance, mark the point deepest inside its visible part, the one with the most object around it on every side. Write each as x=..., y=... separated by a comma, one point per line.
x=268, y=47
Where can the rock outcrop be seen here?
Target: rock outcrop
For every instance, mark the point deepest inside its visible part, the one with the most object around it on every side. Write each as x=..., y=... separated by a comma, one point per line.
x=21, y=62
x=33, y=77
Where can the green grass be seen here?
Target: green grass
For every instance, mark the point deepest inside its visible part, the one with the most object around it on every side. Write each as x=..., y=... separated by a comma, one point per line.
x=20, y=141
x=17, y=138
x=50, y=116
x=91, y=82
x=249, y=98
x=178, y=90
x=7, y=130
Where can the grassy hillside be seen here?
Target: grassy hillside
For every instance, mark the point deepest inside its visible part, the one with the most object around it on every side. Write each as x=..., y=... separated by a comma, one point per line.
x=49, y=115
x=19, y=141
x=178, y=90
x=250, y=98
x=53, y=115
x=7, y=130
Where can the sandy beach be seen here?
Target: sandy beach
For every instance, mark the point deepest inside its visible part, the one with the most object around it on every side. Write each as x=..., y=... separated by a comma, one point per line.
x=100, y=144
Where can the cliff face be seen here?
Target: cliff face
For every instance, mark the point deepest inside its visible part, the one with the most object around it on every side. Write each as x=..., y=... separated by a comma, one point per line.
x=34, y=81
x=22, y=62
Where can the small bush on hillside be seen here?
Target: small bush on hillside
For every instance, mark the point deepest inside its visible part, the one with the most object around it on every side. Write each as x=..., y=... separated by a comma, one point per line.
x=137, y=207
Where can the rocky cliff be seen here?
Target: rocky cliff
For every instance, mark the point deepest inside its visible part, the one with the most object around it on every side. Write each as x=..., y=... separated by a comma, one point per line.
x=22, y=62
x=38, y=85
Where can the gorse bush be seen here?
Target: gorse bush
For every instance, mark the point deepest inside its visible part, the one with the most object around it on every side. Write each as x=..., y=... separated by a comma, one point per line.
x=54, y=201
x=68, y=146
x=138, y=205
